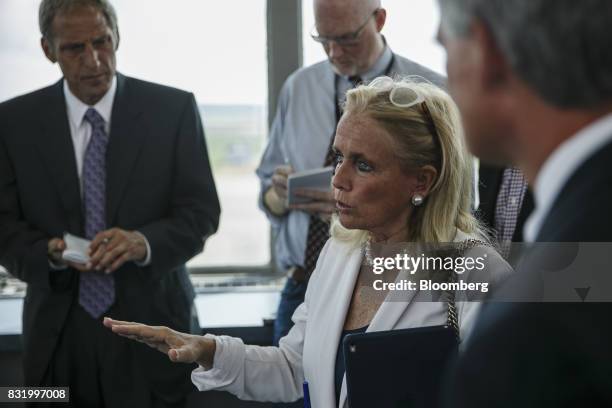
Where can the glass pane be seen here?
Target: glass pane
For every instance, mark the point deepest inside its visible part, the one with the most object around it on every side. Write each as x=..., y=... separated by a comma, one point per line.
x=410, y=31
x=196, y=47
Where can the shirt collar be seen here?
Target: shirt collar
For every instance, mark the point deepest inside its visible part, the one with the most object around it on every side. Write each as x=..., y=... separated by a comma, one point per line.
x=76, y=108
x=379, y=66
x=561, y=165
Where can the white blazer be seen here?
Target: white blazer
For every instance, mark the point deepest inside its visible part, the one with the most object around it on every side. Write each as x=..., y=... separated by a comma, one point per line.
x=308, y=352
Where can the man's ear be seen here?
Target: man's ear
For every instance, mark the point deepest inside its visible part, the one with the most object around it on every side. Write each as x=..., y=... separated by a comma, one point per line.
x=116, y=39
x=48, y=50
x=426, y=177
x=381, y=18
x=494, y=68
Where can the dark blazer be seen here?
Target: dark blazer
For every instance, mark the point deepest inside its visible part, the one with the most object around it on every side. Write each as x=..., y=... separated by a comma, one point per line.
x=489, y=182
x=546, y=354
x=159, y=182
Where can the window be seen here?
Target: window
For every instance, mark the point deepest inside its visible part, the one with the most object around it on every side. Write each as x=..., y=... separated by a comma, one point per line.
x=217, y=50
x=410, y=31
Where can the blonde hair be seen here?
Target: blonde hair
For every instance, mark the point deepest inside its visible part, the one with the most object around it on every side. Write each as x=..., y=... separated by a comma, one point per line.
x=419, y=142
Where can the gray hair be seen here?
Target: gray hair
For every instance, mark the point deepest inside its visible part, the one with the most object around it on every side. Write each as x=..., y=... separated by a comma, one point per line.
x=561, y=48
x=50, y=8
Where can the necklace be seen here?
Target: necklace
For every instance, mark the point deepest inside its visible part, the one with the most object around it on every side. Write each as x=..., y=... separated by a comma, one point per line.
x=367, y=251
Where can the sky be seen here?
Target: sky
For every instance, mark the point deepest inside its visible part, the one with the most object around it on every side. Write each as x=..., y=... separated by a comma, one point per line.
x=216, y=49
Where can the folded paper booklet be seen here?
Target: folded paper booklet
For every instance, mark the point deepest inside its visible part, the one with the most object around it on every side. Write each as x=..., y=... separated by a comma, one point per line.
x=76, y=249
x=316, y=179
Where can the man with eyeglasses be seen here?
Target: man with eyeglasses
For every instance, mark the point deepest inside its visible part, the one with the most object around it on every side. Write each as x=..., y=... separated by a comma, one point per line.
x=302, y=132
x=120, y=162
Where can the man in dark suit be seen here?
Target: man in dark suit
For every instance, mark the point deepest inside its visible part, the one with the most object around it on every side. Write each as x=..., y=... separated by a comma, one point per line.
x=533, y=80
x=505, y=203
x=490, y=184
x=123, y=163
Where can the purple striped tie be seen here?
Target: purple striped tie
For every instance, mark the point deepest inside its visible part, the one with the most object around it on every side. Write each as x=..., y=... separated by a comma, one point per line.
x=96, y=289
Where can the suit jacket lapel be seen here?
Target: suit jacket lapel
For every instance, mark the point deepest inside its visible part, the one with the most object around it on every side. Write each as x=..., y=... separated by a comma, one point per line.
x=393, y=307
x=336, y=294
x=127, y=136
x=340, y=296
x=489, y=181
x=594, y=171
x=387, y=316
x=57, y=151
x=524, y=213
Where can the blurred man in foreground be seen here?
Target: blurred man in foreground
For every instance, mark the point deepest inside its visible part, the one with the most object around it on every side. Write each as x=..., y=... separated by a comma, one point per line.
x=533, y=79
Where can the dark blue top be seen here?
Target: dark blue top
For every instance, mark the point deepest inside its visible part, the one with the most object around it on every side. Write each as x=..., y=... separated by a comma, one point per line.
x=340, y=367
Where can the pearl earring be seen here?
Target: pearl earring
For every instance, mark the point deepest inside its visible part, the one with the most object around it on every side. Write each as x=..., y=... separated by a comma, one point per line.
x=417, y=200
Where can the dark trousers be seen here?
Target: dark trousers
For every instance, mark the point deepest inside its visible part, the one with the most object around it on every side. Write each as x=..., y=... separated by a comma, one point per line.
x=291, y=297
x=103, y=369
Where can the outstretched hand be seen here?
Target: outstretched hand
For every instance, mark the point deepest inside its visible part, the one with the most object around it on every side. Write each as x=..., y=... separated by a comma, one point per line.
x=179, y=347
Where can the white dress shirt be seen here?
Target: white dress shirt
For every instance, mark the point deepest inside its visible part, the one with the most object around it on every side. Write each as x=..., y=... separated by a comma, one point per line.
x=560, y=166
x=80, y=131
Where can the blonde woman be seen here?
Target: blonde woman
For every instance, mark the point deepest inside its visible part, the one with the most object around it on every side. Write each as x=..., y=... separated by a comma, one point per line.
x=402, y=175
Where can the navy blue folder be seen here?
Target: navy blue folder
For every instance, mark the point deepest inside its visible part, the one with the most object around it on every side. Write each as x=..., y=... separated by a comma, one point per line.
x=398, y=368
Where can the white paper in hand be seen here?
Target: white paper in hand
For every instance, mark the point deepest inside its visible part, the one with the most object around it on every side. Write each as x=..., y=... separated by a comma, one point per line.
x=76, y=249
x=316, y=179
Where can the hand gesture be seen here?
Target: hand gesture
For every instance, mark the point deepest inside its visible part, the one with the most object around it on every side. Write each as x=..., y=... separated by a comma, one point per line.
x=180, y=347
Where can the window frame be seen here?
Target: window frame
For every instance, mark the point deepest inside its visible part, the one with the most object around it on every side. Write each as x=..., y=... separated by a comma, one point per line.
x=284, y=54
